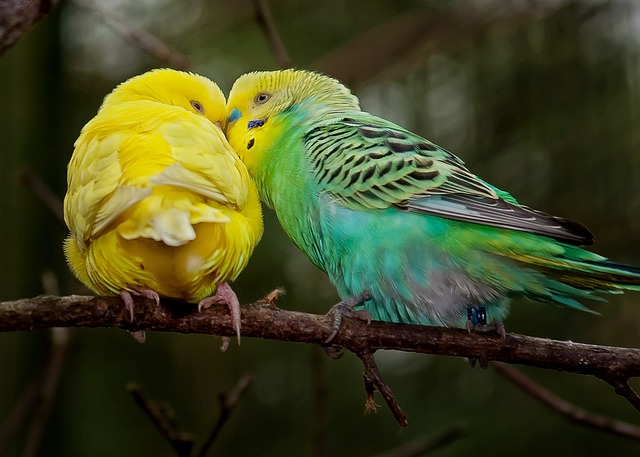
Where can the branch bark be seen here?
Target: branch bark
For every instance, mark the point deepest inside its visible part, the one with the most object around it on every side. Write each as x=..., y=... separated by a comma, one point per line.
x=45, y=311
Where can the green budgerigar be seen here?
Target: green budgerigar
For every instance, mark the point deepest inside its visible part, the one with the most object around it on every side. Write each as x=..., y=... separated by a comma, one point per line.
x=393, y=217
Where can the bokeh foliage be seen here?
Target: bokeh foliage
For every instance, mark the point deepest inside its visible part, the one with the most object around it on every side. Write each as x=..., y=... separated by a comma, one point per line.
x=539, y=97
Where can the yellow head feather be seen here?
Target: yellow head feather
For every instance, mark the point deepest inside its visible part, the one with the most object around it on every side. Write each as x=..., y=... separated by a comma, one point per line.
x=262, y=94
x=190, y=91
x=256, y=98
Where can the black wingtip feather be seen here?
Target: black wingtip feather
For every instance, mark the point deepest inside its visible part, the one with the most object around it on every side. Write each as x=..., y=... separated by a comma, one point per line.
x=580, y=234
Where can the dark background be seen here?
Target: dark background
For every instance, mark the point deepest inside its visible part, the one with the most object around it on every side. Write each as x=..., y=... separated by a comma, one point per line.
x=541, y=98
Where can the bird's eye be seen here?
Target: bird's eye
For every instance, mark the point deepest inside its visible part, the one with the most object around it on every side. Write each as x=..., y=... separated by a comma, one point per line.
x=262, y=98
x=196, y=105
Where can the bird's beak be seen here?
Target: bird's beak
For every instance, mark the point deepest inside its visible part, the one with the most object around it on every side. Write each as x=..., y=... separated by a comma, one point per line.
x=234, y=115
x=219, y=125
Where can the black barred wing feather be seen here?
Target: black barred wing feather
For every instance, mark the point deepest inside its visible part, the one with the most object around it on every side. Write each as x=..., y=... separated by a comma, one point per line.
x=371, y=163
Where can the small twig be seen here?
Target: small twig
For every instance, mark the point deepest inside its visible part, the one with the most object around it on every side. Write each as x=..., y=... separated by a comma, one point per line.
x=228, y=403
x=268, y=26
x=622, y=388
x=161, y=416
x=570, y=411
x=140, y=37
x=372, y=381
x=44, y=193
x=60, y=338
x=421, y=446
x=18, y=415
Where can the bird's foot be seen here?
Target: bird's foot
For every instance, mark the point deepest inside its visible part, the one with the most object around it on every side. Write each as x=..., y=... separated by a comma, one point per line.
x=477, y=321
x=271, y=298
x=345, y=309
x=127, y=298
x=225, y=296
x=476, y=317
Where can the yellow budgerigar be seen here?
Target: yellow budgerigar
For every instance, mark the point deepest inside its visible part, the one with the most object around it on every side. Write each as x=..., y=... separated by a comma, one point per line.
x=158, y=203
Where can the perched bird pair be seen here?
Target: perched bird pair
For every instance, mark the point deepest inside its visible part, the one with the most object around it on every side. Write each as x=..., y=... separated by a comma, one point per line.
x=159, y=204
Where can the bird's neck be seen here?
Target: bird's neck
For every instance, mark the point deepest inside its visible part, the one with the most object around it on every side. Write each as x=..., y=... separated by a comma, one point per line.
x=285, y=183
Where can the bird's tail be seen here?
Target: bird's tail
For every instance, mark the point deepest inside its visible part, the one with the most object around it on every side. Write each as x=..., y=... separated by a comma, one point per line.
x=582, y=274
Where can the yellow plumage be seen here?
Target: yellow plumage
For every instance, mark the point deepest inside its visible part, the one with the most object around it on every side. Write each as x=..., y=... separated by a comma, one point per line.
x=157, y=200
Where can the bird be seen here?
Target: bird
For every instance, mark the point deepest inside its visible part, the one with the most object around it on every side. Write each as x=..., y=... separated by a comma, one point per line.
x=405, y=232
x=158, y=203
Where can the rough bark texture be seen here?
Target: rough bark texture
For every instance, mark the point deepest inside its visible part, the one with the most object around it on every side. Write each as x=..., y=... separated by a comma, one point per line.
x=18, y=16
x=270, y=323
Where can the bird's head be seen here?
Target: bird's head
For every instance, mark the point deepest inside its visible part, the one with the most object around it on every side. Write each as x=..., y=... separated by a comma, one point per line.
x=257, y=98
x=192, y=92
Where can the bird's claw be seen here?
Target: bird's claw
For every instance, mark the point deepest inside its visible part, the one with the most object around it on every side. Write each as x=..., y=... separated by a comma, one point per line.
x=225, y=343
x=139, y=335
x=225, y=295
x=128, y=299
x=345, y=309
x=128, y=303
x=333, y=351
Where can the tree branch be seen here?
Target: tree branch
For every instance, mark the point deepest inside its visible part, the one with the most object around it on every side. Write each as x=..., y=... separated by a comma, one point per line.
x=161, y=414
x=266, y=322
x=372, y=381
x=19, y=16
x=621, y=386
x=570, y=411
x=228, y=403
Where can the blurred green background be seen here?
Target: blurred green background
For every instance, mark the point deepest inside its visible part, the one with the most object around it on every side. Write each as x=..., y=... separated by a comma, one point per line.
x=541, y=98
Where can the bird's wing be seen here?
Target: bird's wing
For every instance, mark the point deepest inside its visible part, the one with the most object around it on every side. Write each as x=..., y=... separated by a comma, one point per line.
x=95, y=196
x=365, y=162
x=125, y=150
x=205, y=163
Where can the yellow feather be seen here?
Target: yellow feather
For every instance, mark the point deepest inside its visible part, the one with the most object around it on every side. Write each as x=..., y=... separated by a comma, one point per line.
x=157, y=199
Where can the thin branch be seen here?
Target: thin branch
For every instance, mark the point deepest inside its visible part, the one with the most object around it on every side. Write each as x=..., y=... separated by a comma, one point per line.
x=570, y=411
x=19, y=413
x=161, y=416
x=60, y=339
x=139, y=37
x=44, y=193
x=268, y=26
x=373, y=381
x=622, y=388
x=18, y=17
x=228, y=403
x=421, y=446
